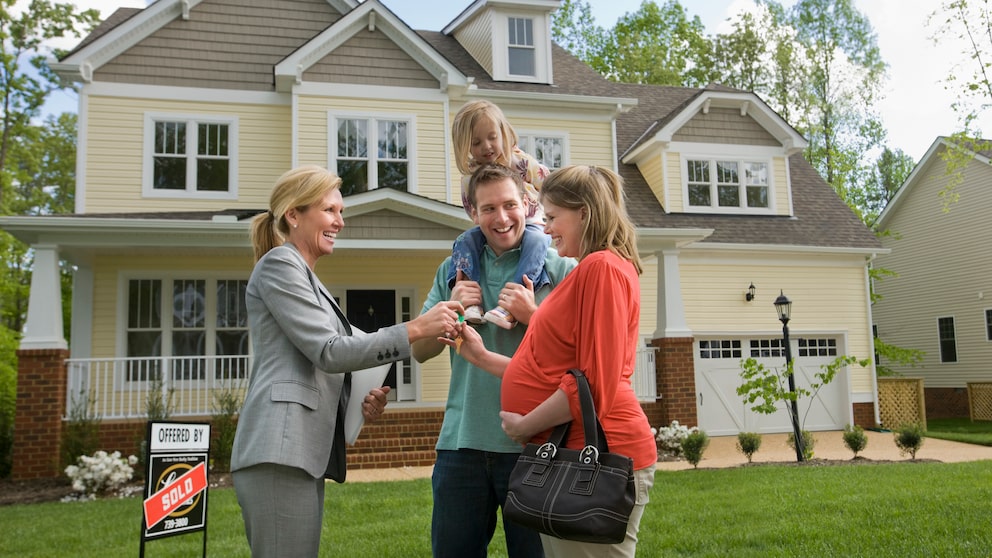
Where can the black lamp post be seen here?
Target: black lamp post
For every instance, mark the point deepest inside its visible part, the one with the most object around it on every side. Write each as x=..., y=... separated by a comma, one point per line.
x=784, y=308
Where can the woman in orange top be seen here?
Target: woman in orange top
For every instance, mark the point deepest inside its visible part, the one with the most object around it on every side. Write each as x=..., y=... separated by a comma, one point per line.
x=590, y=322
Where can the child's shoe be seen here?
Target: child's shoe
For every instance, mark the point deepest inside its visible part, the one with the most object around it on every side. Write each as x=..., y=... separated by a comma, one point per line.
x=473, y=315
x=501, y=317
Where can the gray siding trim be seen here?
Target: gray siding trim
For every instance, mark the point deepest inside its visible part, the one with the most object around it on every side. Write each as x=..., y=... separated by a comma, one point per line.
x=224, y=44
x=390, y=225
x=726, y=126
x=371, y=59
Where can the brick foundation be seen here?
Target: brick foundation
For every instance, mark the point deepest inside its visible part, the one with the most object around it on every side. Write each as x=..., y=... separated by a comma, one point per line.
x=864, y=415
x=946, y=402
x=41, y=396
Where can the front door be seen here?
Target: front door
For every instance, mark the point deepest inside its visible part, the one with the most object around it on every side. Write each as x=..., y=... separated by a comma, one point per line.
x=374, y=309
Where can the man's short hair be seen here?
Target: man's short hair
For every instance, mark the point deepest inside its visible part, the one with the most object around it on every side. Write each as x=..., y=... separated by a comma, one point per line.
x=492, y=172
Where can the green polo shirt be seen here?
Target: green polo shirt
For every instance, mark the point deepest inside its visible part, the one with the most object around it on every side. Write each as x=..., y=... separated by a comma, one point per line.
x=471, y=414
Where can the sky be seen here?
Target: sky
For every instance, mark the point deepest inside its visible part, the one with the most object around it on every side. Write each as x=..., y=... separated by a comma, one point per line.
x=915, y=109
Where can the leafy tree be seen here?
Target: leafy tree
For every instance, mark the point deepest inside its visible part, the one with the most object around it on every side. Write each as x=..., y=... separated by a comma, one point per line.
x=25, y=78
x=659, y=45
x=970, y=21
x=575, y=30
x=891, y=169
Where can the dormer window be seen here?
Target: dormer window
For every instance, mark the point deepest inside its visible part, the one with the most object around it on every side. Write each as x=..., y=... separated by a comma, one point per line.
x=521, y=51
x=727, y=185
x=521, y=46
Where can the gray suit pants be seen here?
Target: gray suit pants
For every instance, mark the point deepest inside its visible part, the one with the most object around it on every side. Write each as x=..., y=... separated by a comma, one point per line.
x=283, y=509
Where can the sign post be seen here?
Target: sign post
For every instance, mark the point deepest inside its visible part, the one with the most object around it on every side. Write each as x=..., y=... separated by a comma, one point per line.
x=175, y=481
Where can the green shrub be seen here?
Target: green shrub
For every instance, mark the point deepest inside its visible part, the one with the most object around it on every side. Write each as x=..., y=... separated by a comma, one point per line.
x=909, y=438
x=82, y=431
x=226, y=405
x=8, y=398
x=748, y=443
x=854, y=438
x=694, y=445
x=808, y=442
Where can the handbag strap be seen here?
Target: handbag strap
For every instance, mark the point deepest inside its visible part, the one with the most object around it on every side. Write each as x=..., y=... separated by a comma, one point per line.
x=594, y=437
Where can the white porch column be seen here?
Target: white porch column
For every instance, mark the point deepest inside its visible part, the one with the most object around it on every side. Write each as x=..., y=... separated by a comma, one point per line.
x=44, y=325
x=671, y=310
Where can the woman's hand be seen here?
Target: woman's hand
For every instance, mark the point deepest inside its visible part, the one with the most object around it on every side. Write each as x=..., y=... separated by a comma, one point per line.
x=513, y=425
x=374, y=404
x=441, y=319
x=467, y=343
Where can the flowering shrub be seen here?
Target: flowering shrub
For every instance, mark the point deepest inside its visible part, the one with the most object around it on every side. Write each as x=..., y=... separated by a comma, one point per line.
x=670, y=438
x=101, y=473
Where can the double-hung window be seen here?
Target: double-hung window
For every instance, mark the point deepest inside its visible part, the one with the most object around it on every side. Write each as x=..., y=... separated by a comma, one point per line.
x=549, y=149
x=202, y=324
x=727, y=185
x=521, y=52
x=947, y=339
x=190, y=156
x=371, y=151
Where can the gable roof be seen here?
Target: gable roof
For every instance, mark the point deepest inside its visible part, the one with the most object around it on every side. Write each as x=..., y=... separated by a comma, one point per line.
x=931, y=157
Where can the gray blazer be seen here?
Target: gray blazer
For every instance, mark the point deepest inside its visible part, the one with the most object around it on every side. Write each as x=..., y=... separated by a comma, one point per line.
x=301, y=346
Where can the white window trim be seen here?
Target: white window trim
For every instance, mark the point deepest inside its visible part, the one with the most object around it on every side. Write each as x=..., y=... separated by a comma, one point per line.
x=741, y=159
x=210, y=308
x=148, y=157
x=411, y=142
x=501, y=45
x=530, y=134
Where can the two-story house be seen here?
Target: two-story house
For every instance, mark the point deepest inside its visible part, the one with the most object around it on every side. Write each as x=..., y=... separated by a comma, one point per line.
x=939, y=299
x=190, y=109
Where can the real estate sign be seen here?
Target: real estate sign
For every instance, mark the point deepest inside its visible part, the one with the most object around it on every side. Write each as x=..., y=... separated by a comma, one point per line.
x=175, y=480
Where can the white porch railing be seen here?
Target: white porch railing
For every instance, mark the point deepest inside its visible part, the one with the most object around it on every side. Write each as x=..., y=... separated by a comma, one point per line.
x=120, y=388
x=644, y=379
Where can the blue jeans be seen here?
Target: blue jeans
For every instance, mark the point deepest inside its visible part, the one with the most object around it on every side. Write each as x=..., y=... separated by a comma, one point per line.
x=469, y=487
x=533, y=251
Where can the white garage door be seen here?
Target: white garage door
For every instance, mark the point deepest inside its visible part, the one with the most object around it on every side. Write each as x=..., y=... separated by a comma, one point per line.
x=722, y=412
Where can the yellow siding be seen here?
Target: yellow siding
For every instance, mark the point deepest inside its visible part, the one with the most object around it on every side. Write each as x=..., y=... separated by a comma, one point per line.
x=476, y=38
x=673, y=174
x=943, y=270
x=430, y=135
x=828, y=296
x=654, y=175
x=115, y=143
x=780, y=185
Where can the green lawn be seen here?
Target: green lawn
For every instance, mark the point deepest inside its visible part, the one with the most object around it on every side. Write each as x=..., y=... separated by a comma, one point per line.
x=893, y=509
x=961, y=430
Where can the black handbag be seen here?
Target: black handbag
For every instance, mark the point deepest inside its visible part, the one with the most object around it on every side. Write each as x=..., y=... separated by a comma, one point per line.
x=580, y=495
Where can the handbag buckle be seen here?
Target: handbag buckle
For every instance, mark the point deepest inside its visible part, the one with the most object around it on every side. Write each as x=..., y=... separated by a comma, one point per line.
x=547, y=451
x=589, y=454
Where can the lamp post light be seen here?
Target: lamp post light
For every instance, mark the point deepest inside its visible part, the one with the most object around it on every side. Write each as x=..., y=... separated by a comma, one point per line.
x=784, y=308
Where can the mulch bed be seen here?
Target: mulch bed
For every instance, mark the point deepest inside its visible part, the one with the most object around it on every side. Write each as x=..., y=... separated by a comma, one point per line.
x=52, y=490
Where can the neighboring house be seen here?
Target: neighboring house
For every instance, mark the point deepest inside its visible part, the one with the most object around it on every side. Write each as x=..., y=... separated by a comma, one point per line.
x=940, y=299
x=189, y=111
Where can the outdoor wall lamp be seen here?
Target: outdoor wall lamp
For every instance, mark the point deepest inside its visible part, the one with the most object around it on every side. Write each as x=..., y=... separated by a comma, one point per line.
x=749, y=295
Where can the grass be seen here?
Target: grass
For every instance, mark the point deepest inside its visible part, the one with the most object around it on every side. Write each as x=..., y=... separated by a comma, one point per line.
x=961, y=430
x=895, y=509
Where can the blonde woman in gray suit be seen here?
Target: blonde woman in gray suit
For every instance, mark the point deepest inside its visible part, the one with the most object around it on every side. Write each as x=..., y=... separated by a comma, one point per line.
x=290, y=430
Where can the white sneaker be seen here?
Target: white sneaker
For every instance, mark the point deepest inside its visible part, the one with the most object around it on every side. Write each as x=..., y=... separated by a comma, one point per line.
x=473, y=315
x=501, y=317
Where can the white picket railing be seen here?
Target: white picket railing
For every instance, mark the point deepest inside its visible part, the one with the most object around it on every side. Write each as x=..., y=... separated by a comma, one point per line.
x=120, y=388
x=644, y=379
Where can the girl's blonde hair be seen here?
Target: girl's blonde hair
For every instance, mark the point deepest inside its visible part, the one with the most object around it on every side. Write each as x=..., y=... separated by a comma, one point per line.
x=599, y=192
x=300, y=188
x=468, y=116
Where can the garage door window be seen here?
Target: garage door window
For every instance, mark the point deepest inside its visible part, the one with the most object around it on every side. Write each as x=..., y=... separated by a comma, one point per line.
x=766, y=348
x=817, y=347
x=720, y=348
